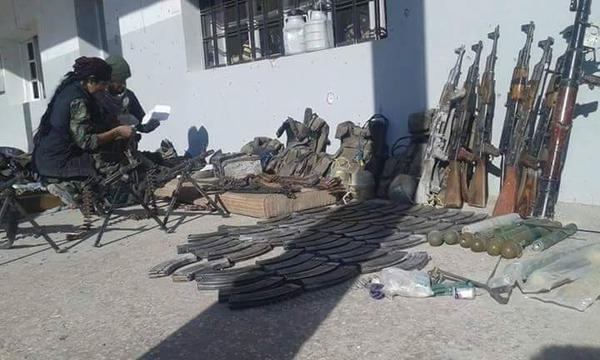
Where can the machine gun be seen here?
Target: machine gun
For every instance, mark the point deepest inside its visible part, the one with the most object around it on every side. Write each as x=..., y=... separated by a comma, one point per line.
x=562, y=117
x=526, y=115
x=9, y=200
x=456, y=186
x=100, y=193
x=477, y=193
x=516, y=94
x=439, y=136
x=183, y=174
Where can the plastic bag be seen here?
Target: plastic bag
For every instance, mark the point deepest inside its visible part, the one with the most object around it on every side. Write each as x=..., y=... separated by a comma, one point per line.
x=571, y=275
x=406, y=283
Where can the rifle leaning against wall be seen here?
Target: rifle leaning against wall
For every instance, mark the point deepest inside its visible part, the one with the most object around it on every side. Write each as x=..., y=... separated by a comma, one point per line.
x=439, y=137
x=526, y=114
x=562, y=117
x=477, y=193
x=516, y=94
x=456, y=186
x=535, y=153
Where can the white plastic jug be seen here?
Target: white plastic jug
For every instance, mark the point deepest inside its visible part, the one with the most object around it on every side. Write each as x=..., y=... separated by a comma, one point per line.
x=318, y=31
x=293, y=33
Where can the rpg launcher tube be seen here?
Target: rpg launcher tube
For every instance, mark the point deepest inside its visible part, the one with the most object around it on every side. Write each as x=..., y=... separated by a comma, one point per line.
x=554, y=238
x=502, y=236
x=514, y=248
x=492, y=223
x=469, y=232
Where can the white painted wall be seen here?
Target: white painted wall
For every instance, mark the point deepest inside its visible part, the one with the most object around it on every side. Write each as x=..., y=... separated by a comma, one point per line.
x=240, y=102
x=395, y=76
x=55, y=24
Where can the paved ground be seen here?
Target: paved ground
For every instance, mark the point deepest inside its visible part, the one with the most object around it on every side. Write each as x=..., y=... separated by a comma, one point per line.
x=99, y=303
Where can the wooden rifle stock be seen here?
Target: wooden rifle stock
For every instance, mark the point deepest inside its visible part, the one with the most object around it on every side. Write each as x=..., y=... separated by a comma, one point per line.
x=457, y=182
x=507, y=200
x=477, y=194
x=527, y=192
x=454, y=197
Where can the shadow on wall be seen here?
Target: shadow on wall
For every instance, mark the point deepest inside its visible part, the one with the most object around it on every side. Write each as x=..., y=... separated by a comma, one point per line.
x=197, y=141
x=399, y=79
x=279, y=331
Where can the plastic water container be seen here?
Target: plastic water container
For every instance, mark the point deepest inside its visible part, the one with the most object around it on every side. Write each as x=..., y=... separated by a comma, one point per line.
x=318, y=31
x=293, y=33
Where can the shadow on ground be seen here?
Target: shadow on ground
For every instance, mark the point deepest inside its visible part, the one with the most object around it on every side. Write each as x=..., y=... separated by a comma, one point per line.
x=275, y=332
x=278, y=331
x=568, y=352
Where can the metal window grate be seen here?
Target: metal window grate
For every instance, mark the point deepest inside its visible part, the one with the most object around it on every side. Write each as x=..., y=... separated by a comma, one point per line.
x=239, y=31
x=34, y=81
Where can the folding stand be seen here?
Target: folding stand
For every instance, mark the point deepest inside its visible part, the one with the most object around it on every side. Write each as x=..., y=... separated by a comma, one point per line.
x=9, y=197
x=185, y=176
x=112, y=207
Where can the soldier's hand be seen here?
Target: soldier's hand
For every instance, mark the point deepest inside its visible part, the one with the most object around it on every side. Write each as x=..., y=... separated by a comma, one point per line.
x=150, y=126
x=125, y=131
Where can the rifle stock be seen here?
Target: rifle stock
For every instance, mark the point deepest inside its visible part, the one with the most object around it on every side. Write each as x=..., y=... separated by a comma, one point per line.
x=478, y=191
x=527, y=192
x=507, y=199
x=422, y=193
x=453, y=198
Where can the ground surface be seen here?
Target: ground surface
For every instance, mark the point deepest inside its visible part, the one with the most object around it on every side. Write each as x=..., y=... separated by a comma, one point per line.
x=99, y=303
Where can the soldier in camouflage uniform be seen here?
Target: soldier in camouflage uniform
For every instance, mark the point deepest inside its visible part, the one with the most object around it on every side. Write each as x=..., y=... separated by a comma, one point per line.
x=120, y=106
x=72, y=128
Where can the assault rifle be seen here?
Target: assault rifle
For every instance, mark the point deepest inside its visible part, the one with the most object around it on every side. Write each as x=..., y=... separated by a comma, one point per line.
x=456, y=185
x=516, y=94
x=526, y=114
x=534, y=154
x=439, y=134
x=562, y=117
x=477, y=194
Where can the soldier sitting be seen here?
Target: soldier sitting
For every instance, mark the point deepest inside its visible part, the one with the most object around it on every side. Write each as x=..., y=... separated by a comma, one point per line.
x=72, y=129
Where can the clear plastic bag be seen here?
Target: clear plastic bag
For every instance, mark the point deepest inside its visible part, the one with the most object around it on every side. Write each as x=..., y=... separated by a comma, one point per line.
x=567, y=277
x=398, y=282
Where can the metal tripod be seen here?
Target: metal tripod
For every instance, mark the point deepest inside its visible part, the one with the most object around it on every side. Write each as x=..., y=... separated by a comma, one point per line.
x=185, y=176
x=111, y=207
x=10, y=201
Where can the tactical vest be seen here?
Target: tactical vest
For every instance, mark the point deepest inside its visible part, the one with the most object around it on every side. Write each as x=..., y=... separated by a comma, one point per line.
x=57, y=155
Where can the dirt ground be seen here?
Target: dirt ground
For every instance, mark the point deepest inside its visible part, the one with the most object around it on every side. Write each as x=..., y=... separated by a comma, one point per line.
x=98, y=303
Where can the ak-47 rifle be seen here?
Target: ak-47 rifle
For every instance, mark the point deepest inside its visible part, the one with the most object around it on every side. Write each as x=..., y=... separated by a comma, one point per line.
x=531, y=159
x=526, y=113
x=461, y=129
x=477, y=194
x=516, y=94
x=439, y=135
x=562, y=117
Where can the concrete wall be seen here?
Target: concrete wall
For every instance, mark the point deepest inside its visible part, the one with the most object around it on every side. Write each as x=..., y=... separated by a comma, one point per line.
x=11, y=118
x=61, y=40
x=395, y=76
x=240, y=102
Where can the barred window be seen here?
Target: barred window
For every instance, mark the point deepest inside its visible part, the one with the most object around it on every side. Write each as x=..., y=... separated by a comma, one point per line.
x=238, y=31
x=33, y=78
